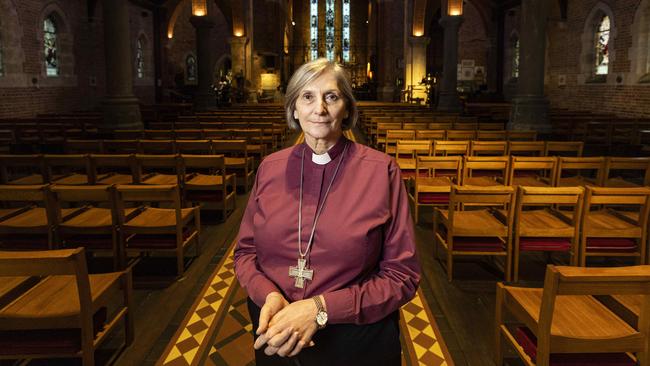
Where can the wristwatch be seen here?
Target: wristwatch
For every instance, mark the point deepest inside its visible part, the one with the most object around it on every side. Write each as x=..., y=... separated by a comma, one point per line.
x=321, y=316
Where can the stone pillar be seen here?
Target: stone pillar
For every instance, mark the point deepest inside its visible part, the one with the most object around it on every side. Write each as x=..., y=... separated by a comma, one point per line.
x=530, y=107
x=416, y=68
x=448, y=100
x=238, y=54
x=204, y=97
x=121, y=108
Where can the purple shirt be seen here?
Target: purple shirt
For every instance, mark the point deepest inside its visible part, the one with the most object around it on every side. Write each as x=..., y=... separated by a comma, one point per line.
x=363, y=254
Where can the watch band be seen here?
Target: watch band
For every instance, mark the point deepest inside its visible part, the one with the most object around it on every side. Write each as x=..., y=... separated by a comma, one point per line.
x=319, y=304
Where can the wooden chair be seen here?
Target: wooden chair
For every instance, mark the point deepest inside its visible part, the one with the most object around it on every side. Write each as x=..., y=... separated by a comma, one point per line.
x=430, y=135
x=128, y=134
x=552, y=333
x=636, y=171
x=121, y=146
x=188, y=134
x=492, y=126
x=115, y=169
x=539, y=227
x=485, y=170
x=491, y=135
x=594, y=167
x=460, y=135
x=564, y=148
x=526, y=148
x=532, y=171
x=393, y=136
x=194, y=147
x=484, y=231
x=433, y=180
x=68, y=313
x=382, y=129
x=157, y=147
x=151, y=229
x=255, y=144
x=415, y=126
x=488, y=148
x=159, y=134
x=69, y=169
x=237, y=160
x=468, y=126
x=83, y=146
x=158, y=169
x=518, y=135
x=23, y=169
x=446, y=148
x=615, y=223
x=206, y=181
x=440, y=126
x=406, y=153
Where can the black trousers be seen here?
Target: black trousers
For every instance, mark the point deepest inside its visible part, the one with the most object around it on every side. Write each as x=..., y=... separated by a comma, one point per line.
x=341, y=344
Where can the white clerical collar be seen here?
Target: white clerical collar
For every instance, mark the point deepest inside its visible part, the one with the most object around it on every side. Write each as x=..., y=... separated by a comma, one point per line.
x=321, y=159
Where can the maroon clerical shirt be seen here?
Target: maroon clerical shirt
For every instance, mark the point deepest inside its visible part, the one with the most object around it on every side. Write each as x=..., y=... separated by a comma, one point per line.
x=363, y=253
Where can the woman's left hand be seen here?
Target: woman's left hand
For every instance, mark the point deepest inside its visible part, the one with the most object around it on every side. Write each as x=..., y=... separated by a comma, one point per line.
x=300, y=317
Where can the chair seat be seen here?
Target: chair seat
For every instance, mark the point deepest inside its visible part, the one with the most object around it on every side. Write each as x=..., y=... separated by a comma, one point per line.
x=601, y=323
x=528, y=342
x=576, y=181
x=157, y=241
x=542, y=223
x=161, y=179
x=604, y=224
x=483, y=181
x=544, y=244
x=71, y=179
x=620, y=183
x=204, y=181
x=93, y=218
x=406, y=163
x=529, y=181
x=476, y=223
x=4, y=212
x=34, y=218
x=434, y=184
x=237, y=162
x=158, y=218
x=28, y=180
x=112, y=178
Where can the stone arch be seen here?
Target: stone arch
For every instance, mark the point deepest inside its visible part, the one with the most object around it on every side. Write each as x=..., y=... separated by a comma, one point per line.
x=65, y=47
x=11, y=34
x=592, y=21
x=220, y=64
x=176, y=7
x=639, y=53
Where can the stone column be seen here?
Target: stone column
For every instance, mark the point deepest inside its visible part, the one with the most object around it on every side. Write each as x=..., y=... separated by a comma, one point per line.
x=448, y=100
x=238, y=54
x=121, y=108
x=204, y=97
x=416, y=68
x=530, y=107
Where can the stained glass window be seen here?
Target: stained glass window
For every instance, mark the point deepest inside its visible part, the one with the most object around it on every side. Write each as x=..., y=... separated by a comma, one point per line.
x=313, y=43
x=515, y=58
x=602, y=47
x=139, y=58
x=346, y=31
x=50, y=43
x=190, y=67
x=329, y=29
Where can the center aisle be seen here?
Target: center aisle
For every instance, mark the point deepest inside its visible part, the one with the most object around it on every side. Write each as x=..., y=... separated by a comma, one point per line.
x=217, y=330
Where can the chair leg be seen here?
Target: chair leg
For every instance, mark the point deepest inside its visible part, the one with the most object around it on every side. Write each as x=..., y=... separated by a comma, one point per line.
x=416, y=213
x=450, y=262
x=498, y=320
x=515, y=261
x=129, y=332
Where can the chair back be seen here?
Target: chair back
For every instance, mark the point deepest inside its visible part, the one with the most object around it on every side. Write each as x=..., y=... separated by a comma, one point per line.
x=11, y=165
x=430, y=135
x=83, y=146
x=193, y=146
x=70, y=163
x=564, y=148
x=492, y=165
x=460, y=135
x=159, y=134
x=440, y=126
x=157, y=146
x=484, y=196
x=446, y=147
x=23, y=193
x=214, y=163
x=121, y=146
x=544, y=163
x=230, y=147
x=492, y=148
x=128, y=134
x=491, y=135
x=526, y=148
x=522, y=135
x=415, y=126
x=639, y=164
x=594, y=164
x=188, y=134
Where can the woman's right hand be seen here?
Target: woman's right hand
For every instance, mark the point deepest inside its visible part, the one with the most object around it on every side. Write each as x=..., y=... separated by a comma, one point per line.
x=273, y=304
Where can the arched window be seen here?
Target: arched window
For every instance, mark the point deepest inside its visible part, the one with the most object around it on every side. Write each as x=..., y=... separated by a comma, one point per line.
x=190, y=67
x=515, y=58
x=313, y=29
x=602, y=47
x=2, y=65
x=50, y=46
x=139, y=58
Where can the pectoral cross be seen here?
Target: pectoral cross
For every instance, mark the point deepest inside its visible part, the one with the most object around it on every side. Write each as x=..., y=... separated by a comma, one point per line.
x=300, y=272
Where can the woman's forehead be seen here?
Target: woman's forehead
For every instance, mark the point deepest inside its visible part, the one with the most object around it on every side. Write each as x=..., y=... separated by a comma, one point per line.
x=323, y=83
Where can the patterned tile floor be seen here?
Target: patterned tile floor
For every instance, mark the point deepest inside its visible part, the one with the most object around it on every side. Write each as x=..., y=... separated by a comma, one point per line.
x=217, y=330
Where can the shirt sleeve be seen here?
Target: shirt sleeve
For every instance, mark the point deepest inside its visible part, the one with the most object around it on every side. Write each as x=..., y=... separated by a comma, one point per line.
x=257, y=285
x=398, y=272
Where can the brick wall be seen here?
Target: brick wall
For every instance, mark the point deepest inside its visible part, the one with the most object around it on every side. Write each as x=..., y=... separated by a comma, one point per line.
x=472, y=38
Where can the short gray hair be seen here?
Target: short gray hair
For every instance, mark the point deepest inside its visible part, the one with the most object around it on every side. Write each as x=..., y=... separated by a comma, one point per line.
x=311, y=71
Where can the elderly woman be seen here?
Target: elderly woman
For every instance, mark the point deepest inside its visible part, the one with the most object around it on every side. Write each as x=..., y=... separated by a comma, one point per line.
x=326, y=248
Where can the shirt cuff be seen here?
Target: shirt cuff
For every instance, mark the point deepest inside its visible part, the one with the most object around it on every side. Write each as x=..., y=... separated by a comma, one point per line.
x=261, y=290
x=340, y=306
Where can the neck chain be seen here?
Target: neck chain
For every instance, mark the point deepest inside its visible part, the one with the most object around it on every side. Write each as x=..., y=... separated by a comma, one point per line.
x=301, y=272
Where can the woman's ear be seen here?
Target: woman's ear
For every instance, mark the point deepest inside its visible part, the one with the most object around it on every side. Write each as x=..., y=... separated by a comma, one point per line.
x=295, y=114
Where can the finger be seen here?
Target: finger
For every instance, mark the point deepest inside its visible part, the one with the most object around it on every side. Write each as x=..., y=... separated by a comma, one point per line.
x=279, y=339
x=304, y=342
x=299, y=346
x=288, y=345
x=260, y=341
x=270, y=350
x=265, y=315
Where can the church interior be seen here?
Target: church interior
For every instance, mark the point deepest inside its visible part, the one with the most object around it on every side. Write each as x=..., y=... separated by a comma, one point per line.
x=131, y=132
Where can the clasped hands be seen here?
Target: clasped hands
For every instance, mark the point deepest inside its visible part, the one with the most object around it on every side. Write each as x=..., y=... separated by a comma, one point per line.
x=286, y=328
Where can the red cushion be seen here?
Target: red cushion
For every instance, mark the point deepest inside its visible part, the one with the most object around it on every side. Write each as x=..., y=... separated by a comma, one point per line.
x=47, y=341
x=433, y=198
x=611, y=244
x=155, y=241
x=544, y=244
x=528, y=342
x=478, y=244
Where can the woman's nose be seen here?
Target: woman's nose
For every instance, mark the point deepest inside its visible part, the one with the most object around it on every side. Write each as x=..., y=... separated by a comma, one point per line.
x=321, y=107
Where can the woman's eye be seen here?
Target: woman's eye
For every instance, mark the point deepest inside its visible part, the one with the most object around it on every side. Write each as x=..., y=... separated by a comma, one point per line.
x=307, y=97
x=332, y=98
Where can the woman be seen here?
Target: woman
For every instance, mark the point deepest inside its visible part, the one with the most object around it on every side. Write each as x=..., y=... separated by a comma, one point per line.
x=326, y=248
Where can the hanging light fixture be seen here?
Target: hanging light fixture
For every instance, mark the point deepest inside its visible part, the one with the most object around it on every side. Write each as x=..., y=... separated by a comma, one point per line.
x=455, y=7
x=199, y=8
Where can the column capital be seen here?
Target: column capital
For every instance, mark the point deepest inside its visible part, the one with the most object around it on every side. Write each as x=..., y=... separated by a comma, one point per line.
x=238, y=40
x=419, y=41
x=202, y=22
x=451, y=22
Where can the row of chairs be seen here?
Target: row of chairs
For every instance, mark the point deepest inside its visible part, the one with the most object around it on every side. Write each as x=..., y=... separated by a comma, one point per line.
x=400, y=148
x=378, y=133
x=505, y=222
x=119, y=219
x=203, y=178
x=430, y=178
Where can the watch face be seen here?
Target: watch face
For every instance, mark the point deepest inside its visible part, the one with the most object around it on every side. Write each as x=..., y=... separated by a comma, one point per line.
x=321, y=318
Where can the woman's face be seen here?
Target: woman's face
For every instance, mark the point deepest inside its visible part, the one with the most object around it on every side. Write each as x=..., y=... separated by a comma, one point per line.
x=321, y=108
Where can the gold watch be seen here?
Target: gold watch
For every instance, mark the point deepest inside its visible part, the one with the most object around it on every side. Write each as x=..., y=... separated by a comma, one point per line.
x=321, y=316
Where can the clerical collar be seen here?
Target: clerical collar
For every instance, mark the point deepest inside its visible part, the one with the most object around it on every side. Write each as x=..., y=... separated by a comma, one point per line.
x=330, y=155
